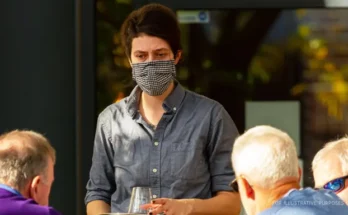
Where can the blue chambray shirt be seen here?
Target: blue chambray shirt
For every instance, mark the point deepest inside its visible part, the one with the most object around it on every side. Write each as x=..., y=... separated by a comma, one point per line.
x=186, y=156
x=308, y=202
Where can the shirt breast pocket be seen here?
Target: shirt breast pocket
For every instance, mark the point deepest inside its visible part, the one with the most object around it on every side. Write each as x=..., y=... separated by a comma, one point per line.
x=124, y=154
x=187, y=161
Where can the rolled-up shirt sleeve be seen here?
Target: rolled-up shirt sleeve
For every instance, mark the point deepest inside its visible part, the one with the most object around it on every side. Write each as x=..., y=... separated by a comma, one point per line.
x=222, y=136
x=101, y=184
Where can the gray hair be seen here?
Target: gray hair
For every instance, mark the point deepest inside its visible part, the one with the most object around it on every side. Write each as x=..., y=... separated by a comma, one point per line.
x=339, y=148
x=265, y=155
x=23, y=155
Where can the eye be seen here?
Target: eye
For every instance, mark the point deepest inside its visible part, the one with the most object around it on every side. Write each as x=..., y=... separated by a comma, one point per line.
x=140, y=56
x=161, y=54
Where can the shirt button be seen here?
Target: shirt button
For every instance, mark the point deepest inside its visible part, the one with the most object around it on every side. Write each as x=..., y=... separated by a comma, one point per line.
x=154, y=170
x=156, y=143
x=154, y=196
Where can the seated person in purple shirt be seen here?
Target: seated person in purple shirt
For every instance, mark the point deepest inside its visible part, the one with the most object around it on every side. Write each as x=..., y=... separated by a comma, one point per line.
x=268, y=175
x=26, y=173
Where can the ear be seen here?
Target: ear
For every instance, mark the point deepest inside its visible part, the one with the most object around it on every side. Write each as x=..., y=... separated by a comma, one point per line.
x=299, y=174
x=178, y=56
x=34, y=187
x=249, y=191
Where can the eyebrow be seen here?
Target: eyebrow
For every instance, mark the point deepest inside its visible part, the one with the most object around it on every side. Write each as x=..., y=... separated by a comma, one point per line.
x=137, y=51
x=156, y=50
x=161, y=49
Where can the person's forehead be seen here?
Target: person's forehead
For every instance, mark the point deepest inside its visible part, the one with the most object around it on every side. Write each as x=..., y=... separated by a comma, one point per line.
x=328, y=170
x=149, y=43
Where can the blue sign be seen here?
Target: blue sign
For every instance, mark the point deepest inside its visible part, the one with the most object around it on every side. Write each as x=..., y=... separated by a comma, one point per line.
x=193, y=16
x=202, y=16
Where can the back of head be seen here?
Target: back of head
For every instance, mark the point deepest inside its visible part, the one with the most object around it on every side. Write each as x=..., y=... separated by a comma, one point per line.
x=23, y=155
x=265, y=155
x=153, y=20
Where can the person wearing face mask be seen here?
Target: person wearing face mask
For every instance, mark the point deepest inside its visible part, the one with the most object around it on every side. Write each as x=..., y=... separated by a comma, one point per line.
x=161, y=136
x=26, y=173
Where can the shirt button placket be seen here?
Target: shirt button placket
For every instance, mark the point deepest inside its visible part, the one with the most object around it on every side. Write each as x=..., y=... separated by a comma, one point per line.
x=155, y=166
x=155, y=159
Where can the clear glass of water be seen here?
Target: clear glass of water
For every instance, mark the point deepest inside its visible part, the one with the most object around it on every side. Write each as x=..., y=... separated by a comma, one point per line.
x=140, y=196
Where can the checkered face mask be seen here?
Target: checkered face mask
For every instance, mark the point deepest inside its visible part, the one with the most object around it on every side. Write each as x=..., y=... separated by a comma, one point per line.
x=154, y=77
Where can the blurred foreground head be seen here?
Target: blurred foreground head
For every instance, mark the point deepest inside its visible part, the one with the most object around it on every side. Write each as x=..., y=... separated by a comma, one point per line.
x=27, y=164
x=264, y=160
x=330, y=168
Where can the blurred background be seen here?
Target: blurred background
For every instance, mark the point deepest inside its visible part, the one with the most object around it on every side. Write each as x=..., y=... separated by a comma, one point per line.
x=283, y=64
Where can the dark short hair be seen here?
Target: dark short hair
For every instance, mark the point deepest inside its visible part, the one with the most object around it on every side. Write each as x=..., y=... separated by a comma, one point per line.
x=153, y=20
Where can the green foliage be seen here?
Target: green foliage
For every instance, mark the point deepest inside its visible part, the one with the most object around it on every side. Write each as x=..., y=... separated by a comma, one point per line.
x=113, y=70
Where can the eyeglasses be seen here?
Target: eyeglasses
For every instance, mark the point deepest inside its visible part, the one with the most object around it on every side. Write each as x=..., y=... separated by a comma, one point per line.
x=234, y=186
x=336, y=185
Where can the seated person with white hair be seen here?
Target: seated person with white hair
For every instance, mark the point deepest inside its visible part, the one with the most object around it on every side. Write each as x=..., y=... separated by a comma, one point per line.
x=26, y=173
x=268, y=175
x=330, y=168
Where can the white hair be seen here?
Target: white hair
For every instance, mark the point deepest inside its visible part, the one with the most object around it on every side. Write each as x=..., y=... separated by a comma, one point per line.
x=23, y=155
x=339, y=148
x=265, y=155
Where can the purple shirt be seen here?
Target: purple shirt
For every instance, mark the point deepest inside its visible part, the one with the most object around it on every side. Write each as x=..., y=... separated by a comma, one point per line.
x=12, y=203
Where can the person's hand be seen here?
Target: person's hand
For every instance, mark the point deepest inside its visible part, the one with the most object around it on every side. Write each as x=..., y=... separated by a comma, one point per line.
x=170, y=206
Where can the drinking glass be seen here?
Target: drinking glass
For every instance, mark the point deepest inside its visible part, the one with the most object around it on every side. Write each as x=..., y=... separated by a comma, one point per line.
x=140, y=196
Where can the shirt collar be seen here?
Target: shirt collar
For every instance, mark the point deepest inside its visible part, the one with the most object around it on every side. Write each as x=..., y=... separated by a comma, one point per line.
x=171, y=103
x=10, y=189
x=132, y=102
